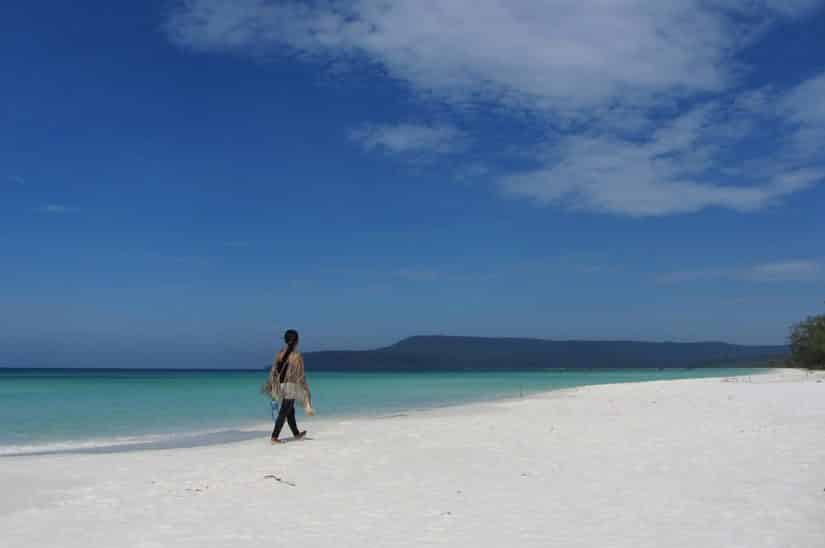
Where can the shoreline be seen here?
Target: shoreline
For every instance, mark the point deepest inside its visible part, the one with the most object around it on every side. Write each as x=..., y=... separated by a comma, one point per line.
x=238, y=433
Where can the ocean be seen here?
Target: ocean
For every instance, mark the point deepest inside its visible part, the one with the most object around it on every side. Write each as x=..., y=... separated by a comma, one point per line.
x=49, y=411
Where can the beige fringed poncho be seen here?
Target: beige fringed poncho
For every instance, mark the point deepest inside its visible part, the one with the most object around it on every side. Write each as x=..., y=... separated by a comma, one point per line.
x=295, y=385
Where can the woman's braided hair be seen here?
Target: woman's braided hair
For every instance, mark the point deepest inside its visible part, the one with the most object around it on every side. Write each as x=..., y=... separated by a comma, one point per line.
x=291, y=340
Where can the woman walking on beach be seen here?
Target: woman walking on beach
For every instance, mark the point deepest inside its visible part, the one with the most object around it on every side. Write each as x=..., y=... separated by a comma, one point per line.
x=287, y=383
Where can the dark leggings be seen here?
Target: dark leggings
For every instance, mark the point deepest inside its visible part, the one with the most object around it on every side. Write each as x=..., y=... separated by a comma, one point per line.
x=286, y=413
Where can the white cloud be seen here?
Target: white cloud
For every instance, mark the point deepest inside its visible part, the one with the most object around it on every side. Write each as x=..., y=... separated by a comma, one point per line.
x=613, y=74
x=55, y=208
x=561, y=54
x=674, y=169
x=804, y=108
x=412, y=138
x=778, y=271
x=788, y=8
x=806, y=103
x=786, y=271
x=558, y=54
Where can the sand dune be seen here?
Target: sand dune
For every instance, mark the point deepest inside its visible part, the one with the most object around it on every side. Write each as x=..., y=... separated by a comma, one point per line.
x=694, y=463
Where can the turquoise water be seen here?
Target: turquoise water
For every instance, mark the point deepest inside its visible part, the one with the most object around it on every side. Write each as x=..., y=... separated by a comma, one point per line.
x=63, y=408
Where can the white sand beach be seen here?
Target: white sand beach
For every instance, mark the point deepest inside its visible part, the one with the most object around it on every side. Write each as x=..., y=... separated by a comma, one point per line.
x=693, y=463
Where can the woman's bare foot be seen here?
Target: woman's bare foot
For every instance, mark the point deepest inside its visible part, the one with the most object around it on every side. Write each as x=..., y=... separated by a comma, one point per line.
x=274, y=441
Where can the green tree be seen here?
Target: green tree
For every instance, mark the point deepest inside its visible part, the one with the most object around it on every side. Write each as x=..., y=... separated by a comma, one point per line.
x=808, y=343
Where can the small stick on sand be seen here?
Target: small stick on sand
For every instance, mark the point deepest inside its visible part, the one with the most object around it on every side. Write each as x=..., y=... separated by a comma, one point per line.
x=279, y=480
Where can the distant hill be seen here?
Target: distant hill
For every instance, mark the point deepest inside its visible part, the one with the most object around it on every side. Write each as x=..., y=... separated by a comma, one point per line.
x=442, y=353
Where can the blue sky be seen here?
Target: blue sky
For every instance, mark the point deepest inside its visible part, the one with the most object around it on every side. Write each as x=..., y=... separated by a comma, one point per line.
x=183, y=180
